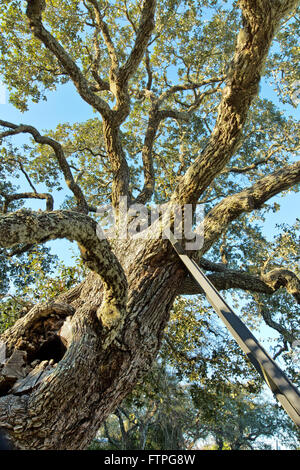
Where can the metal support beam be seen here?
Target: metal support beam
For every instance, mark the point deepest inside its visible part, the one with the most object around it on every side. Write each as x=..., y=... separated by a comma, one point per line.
x=285, y=392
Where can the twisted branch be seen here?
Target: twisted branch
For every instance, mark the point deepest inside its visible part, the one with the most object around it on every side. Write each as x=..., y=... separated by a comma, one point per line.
x=23, y=227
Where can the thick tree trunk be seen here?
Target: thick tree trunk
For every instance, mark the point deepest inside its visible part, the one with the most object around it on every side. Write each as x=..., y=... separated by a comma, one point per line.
x=61, y=403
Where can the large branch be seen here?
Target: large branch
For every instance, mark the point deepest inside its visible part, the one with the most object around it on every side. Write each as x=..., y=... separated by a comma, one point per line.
x=145, y=29
x=34, y=14
x=102, y=26
x=119, y=77
x=23, y=227
x=231, y=207
x=156, y=116
x=117, y=157
x=280, y=277
x=261, y=20
x=147, y=158
x=227, y=280
x=233, y=279
x=8, y=198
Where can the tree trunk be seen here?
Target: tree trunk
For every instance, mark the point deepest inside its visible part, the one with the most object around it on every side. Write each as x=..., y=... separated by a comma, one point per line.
x=60, y=402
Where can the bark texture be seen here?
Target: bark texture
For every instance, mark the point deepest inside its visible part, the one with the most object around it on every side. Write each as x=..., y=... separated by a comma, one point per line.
x=74, y=393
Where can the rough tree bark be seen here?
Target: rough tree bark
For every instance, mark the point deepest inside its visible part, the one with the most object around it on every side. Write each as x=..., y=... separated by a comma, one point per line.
x=82, y=353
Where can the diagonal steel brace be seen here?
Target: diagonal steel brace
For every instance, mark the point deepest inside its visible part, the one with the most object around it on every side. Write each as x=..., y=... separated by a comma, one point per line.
x=285, y=392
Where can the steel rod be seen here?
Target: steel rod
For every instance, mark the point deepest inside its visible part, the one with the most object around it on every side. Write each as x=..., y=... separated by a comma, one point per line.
x=283, y=389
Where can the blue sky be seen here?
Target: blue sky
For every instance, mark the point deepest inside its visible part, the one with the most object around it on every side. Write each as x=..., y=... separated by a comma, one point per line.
x=63, y=105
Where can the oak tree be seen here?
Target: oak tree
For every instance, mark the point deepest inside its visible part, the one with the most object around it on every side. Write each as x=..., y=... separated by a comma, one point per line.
x=179, y=120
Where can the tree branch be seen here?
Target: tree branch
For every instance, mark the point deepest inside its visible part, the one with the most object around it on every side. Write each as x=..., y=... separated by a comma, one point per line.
x=119, y=77
x=267, y=316
x=261, y=20
x=25, y=174
x=187, y=86
x=102, y=26
x=156, y=116
x=231, y=207
x=272, y=151
x=34, y=14
x=101, y=84
x=228, y=279
x=280, y=277
x=149, y=71
x=145, y=29
x=25, y=226
x=232, y=279
x=119, y=165
x=14, y=197
x=59, y=153
x=149, y=175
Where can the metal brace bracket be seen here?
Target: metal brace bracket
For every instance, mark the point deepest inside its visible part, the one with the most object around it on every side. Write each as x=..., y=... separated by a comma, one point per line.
x=285, y=392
